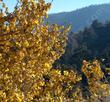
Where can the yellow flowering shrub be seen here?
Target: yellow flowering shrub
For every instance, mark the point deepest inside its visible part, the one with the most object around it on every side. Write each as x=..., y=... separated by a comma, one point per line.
x=97, y=82
x=28, y=49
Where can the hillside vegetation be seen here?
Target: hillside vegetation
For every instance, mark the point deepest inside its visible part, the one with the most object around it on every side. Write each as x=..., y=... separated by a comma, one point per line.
x=91, y=43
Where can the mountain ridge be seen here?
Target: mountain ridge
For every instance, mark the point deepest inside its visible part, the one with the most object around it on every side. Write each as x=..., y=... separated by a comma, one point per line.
x=83, y=17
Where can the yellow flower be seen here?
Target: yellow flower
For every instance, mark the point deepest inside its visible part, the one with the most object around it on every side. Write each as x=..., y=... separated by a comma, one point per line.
x=0, y=56
x=42, y=83
x=47, y=65
x=66, y=73
x=18, y=97
x=36, y=22
x=7, y=70
x=32, y=0
x=26, y=44
x=104, y=86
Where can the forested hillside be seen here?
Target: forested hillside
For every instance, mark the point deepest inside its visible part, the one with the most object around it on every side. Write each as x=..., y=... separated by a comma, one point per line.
x=91, y=43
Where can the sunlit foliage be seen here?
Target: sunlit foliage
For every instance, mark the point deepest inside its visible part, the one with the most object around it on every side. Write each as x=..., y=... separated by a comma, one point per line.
x=28, y=48
x=98, y=84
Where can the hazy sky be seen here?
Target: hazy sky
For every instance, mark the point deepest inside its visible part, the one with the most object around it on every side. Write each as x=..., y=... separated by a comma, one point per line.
x=63, y=5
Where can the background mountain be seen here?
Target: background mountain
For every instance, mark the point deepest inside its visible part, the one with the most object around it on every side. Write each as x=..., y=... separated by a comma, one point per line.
x=81, y=18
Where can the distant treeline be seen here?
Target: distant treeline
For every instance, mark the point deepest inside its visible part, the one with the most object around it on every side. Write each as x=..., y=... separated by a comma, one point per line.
x=91, y=43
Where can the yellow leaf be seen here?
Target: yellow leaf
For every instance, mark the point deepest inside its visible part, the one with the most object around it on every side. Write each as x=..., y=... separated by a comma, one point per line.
x=26, y=44
x=66, y=73
x=36, y=22
x=47, y=65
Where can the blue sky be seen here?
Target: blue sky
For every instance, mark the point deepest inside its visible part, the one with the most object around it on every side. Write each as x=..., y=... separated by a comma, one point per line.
x=63, y=5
